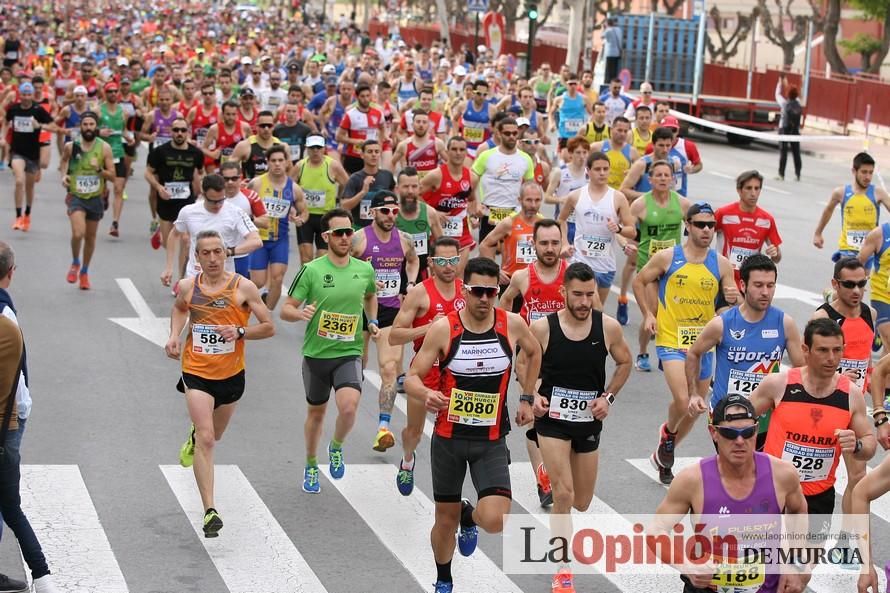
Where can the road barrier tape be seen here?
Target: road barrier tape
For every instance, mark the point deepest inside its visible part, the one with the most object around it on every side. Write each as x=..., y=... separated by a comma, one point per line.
x=769, y=136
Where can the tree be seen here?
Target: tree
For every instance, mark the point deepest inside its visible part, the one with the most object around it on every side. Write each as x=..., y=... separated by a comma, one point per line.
x=877, y=10
x=829, y=37
x=775, y=29
x=729, y=45
x=863, y=44
x=672, y=7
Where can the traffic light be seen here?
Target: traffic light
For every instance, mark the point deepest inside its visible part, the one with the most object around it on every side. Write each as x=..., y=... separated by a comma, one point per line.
x=533, y=12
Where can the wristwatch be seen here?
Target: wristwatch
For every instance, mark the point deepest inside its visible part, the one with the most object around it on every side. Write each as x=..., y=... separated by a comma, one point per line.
x=858, y=446
x=230, y=251
x=610, y=397
x=529, y=399
x=241, y=332
x=882, y=420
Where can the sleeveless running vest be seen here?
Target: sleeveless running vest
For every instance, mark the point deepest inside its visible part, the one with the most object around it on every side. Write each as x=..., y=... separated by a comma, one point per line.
x=387, y=259
x=226, y=141
x=687, y=294
x=880, y=278
x=319, y=189
x=860, y=213
x=256, y=163
x=278, y=204
x=660, y=228
x=162, y=125
x=419, y=230
x=451, y=201
x=85, y=171
x=72, y=122
x=205, y=353
x=115, y=122
x=476, y=126
x=438, y=305
x=203, y=121
x=572, y=115
x=619, y=161
x=567, y=184
x=475, y=378
x=542, y=298
x=519, y=246
x=594, y=242
x=801, y=431
x=859, y=334
x=424, y=158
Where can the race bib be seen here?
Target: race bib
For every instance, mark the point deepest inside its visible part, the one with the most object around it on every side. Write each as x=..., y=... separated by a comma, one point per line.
x=812, y=463
x=534, y=315
x=858, y=370
x=591, y=246
x=655, y=245
x=23, y=125
x=473, y=407
x=495, y=215
x=391, y=283
x=855, y=239
x=573, y=125
x=525, y=250
x=572, y=405
x=738, y=577
x=130, y=111
x=276, y=207
x=371, y=134
x=206, y=339
x=12, y=55
x=337, y=326
x=178, y=190
x=200, y=135
x=420, y=243
x=738, y=255
x=86, y=184
x=161, y=140
x=686, y=336
x=364, y=211
x=453, y=226
x=742, y=382
x=296, y=152
x=474, y=135
x=314, y=198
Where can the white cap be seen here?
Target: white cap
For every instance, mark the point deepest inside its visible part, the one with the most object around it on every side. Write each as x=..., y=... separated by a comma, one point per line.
x=444, y=63
x=163, y=48
x=266, y=57
x=402, y=43
x=123, y=61
x=81, y=90
x=523, y=121
x=329, y=69
x=460, y=71
x=481, y=48
x=315, y=140
x=246, y=61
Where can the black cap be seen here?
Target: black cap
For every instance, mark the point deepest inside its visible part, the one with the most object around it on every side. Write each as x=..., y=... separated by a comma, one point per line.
x=293, y=66
x=384, y=198
x=330, y=81
x=699, y=208
x=247, y=91
x=720, y=414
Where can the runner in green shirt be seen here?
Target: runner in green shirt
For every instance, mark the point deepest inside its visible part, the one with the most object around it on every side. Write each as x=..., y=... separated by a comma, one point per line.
x=334, y=288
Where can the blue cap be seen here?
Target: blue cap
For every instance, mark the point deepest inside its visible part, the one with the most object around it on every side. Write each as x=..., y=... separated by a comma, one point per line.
x=699, y=208
x=26, y=87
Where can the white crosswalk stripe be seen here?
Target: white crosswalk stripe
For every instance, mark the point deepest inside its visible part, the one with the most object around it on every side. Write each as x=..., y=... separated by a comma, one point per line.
x=61, y=512
x=253, y=553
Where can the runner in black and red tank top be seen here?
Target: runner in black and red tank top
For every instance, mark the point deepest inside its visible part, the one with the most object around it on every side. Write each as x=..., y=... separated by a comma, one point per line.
x=421, y=150
x=449, y=190
x=426, y=303
x=223, y=136
x=202, y=116
x=474, y=348
x=856, y=319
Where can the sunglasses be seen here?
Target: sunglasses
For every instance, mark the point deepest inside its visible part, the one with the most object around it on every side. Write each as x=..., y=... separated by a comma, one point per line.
x=343, y=232
x=852, y=284
x=703, y=224
x=265, y=125
x=480, y=93
x=531, y=141
x=179, y=130
x=481, y=291
x=387, y=210
x=206, y=94
x=728, y=432
x=445, y=261
x=233, y=178
x=215, y=202
x=508, y=134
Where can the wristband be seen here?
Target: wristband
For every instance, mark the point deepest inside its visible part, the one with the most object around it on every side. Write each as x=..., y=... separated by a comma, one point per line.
x=876, y=412
x=858, y=446
x=883, y=420
x=373, y=322
x=529, y=399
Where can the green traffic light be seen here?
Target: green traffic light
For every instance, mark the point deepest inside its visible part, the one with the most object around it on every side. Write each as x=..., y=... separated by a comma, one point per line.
x=533, y=14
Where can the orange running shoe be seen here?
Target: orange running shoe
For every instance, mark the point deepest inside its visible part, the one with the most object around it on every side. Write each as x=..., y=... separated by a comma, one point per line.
x=563, y=581
x=18, y=224
x=545, y=491
x=84, y=282
x=26, y=223
x=156, y=239
x=72, y=273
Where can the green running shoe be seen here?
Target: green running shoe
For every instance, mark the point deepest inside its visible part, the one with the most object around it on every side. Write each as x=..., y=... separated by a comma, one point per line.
x=212, y=523
x=187, y=452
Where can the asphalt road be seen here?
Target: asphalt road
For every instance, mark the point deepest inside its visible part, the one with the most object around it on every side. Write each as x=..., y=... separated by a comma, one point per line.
x=107, y=422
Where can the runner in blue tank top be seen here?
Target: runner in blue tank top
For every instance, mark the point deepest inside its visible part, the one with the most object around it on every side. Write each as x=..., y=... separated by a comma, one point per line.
x=572, y=110
x=750, y=341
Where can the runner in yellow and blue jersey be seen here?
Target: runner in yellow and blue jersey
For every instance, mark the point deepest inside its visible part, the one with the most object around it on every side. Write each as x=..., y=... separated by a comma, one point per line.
x=689, y=277
x=876, y=249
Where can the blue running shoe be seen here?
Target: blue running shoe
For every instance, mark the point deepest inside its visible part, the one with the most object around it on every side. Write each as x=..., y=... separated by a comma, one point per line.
x=337, y=467
x=443, y=587
x=642, y=363
x=621, y=314
x=467, y=537
x=310, y=480
x=405, y=478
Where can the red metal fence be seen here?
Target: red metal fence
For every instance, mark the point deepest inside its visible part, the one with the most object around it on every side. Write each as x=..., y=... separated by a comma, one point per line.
x=541, y=53
x=842, y=99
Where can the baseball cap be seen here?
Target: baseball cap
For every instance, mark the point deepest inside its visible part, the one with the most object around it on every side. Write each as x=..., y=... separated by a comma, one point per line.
x=111, y=86
x=699, y=208
x=199, y=50
x=81, y=90
x=481, y=48
x=523, y=121
x=729, y=401
x=315, y=141
x=330, y=81
x=384, y=198
x=125, y=80
x=247, y=91
x=444, y=63
x=246, y=61
x=670, y=122
x=122, y=61
x=293, y=66
x=329, y=69
x=460, y=71
x=26, y=87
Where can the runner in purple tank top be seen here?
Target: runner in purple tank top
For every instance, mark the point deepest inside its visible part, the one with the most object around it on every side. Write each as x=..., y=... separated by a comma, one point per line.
x=395, y=262
x=735, y=483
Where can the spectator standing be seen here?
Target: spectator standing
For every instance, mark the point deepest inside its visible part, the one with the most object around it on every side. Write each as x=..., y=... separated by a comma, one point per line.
x=789, y=124
x=612, y=48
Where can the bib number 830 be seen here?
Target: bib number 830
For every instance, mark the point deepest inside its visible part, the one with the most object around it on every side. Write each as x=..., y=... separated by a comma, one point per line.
x=572, y=404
